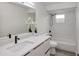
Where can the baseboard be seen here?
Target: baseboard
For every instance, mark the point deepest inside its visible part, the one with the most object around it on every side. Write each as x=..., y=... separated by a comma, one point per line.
x=68, y=51
x=65, y=50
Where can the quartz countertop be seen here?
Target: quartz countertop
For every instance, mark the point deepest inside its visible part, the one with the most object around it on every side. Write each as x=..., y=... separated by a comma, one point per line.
x=4, y=51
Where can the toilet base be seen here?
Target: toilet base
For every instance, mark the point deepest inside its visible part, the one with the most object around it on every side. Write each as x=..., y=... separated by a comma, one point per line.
x=53, y=51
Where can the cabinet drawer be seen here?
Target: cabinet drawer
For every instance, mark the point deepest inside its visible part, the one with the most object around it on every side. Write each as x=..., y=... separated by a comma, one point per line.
x=40, y=50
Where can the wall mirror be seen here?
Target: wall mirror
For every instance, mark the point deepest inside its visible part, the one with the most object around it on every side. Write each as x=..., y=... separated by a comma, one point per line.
x=16, y=18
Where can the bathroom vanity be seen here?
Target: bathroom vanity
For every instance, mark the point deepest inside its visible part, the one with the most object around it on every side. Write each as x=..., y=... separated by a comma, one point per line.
x=38, y=45
x=41, y=50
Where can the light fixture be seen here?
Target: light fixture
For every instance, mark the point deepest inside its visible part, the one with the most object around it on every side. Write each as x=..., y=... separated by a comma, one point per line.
x=29, y=4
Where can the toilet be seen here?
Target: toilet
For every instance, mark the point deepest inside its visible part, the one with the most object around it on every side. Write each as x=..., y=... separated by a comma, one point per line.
x=53, y=45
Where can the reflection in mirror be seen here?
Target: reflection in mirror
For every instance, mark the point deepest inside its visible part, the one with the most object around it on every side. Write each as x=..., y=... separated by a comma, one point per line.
x=16, y=18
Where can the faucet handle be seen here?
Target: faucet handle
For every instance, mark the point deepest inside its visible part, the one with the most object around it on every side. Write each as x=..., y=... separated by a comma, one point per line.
x=18, y=38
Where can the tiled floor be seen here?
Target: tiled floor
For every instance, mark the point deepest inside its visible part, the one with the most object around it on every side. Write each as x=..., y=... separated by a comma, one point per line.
x=64, y=53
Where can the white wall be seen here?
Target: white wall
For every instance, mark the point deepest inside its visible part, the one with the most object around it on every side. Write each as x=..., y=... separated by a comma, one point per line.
x=12, y=19
x=42, y=18
x=77, y=25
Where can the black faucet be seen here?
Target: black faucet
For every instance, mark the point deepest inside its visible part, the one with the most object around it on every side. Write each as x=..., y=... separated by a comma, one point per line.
x=9, y=35
x=16, y=38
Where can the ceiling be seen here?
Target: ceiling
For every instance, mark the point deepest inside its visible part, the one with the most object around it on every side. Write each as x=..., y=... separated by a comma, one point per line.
x=61, y=11
x=49, y=3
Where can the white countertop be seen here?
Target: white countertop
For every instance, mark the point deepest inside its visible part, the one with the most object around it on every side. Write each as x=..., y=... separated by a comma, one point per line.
x=27, y=48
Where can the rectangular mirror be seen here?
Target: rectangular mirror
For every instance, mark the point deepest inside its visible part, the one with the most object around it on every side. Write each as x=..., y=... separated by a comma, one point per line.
x=16, y=18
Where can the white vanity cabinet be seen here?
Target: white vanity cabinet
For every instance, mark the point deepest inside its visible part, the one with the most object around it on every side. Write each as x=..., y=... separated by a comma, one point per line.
x=41, y=50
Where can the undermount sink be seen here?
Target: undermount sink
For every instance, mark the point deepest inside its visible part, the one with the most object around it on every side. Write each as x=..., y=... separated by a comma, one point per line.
x=19, y=46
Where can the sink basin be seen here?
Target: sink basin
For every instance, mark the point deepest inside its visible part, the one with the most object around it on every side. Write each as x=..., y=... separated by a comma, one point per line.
x=19, y=46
